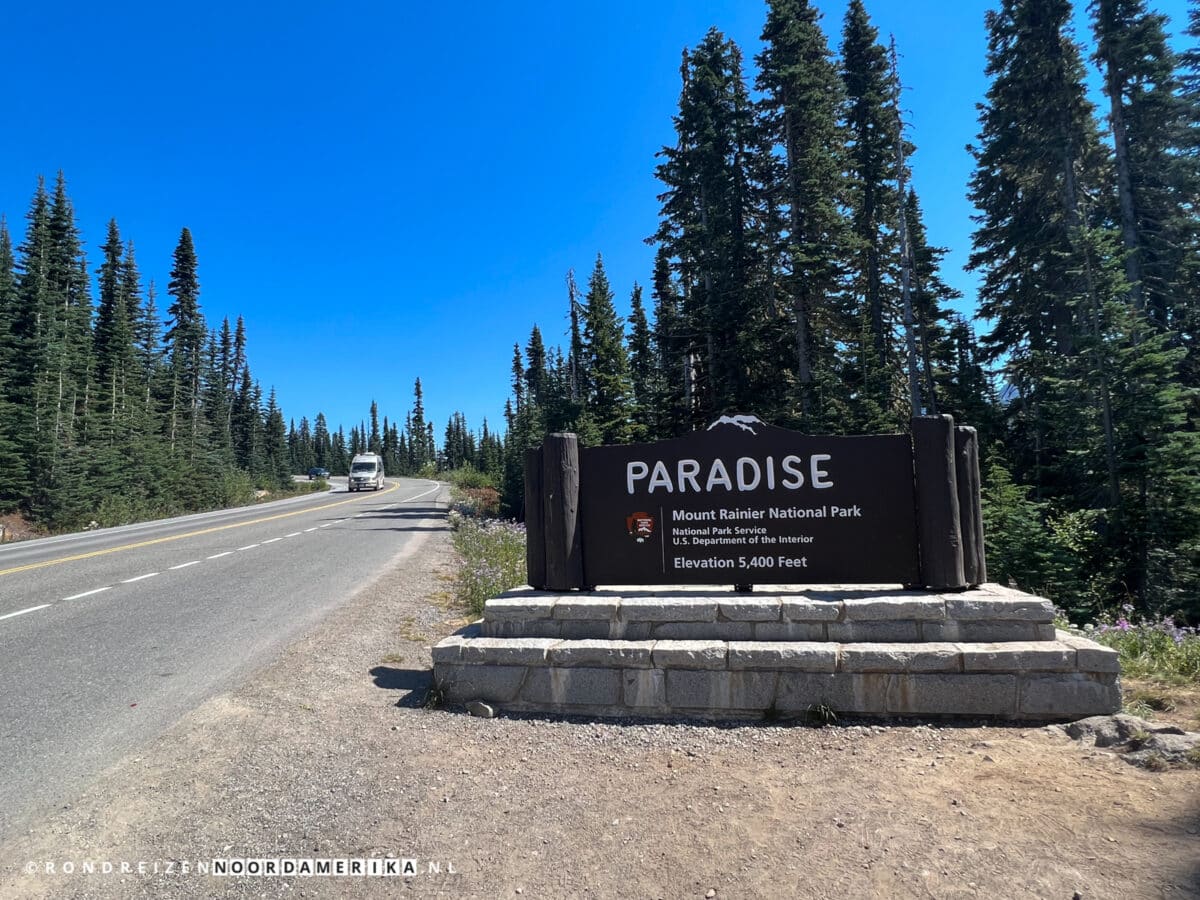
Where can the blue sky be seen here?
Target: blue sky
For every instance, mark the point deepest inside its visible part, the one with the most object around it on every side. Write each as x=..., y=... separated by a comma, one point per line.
x=388, y=191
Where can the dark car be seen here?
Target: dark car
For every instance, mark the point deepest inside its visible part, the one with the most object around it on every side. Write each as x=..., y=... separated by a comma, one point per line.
x=317, y=472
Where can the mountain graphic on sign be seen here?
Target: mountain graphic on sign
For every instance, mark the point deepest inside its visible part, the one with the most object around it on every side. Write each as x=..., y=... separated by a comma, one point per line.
x=743, y=422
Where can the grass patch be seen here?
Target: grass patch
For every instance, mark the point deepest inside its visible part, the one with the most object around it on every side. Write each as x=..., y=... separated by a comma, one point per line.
x=1156, y=701
x=409, y=632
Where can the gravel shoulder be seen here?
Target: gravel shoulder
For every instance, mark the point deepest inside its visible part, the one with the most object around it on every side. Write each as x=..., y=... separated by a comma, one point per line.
x=327, y=752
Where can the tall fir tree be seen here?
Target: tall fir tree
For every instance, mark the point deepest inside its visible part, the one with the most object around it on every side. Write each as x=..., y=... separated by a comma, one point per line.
x=375, y=441
x=113, y=346
x=278, y=465
x=1038, y=158
x=807, y=237
x=875, y=370
x=608, y=385
x=642, y=369
x=1148, y=117
x=709, y=227
x=12, y=462
x=416, y=432
x=185, y=339
x=931, y=297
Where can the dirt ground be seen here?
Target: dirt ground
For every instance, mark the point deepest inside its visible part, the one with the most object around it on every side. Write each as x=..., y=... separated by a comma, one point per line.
x=15, y=527
x=327, y=753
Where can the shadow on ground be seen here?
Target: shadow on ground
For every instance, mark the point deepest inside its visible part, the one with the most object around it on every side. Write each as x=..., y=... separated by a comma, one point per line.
x=398, y=516
x=417, y=682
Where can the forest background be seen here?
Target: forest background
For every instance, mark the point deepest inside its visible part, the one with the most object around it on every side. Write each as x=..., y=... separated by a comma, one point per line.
x=793, y=279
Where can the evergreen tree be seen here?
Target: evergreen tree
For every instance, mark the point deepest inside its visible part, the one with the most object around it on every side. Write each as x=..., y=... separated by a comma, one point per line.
x=12, y=463
x=246, y=430
x=304, y=452
x=322, y=443
x=490, y=455
x=930, y=298
x=1138, y=439
x=576, y=359
x=217, y=406
x=1189, y=325
x=340, y=453
x=28, y=360
x=608, y=384
x=148, y=330
x=517, y=378
x=642, y=370
x=416, y=431
x=876, y=371
x=67, y=337
x=673, y=378
x=71, y=318
x=963, y=386
x=808, y=237
x=536, y=376
x=375, y=442
x=1038, y=157
x=185, y=338
x=278, y=467
x=113, y=346
x=708, y=227
x=1148, y=120
x=148, y=343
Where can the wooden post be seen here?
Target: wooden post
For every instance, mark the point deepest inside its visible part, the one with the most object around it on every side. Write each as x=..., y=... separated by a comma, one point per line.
x=560, y=512
x=535, y=531
x=938, y=525
x=966, y=467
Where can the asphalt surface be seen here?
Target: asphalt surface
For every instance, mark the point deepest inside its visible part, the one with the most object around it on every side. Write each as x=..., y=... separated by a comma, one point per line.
x=108, y=637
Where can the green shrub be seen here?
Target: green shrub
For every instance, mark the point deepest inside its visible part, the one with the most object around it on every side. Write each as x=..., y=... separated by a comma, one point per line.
x=469, y=478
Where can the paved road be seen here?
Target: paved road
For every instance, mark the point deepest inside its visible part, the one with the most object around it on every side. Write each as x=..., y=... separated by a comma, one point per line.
x=108, y=637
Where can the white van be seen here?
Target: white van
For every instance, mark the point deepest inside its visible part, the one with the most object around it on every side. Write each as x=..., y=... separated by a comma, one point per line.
x=366, y=470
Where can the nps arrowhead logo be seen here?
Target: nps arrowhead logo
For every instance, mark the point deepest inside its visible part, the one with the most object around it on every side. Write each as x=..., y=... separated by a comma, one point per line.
x=640, y=526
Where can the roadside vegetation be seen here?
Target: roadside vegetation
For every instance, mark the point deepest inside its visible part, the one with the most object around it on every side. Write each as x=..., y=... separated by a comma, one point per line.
x=1160, y=662
x=492, y=549
x=1152, y=649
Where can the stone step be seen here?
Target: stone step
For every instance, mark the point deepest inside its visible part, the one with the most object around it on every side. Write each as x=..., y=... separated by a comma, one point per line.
x=1065, y=678
x=830, y=613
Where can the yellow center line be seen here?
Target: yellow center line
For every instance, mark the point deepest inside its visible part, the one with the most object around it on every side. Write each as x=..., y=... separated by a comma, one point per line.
x=179, y=537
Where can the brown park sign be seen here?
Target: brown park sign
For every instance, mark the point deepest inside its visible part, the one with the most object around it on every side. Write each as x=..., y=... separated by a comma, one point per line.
x=746, y=503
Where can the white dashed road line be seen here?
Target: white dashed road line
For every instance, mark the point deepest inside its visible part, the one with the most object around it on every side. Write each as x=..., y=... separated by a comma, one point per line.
x=22, y=612
x=139, y=578
x=194, y=562
x=87, y=593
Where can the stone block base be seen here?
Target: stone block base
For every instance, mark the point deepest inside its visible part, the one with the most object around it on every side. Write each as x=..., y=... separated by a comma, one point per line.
x=810, y=613
x=712, y=653
x=1065, y=678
